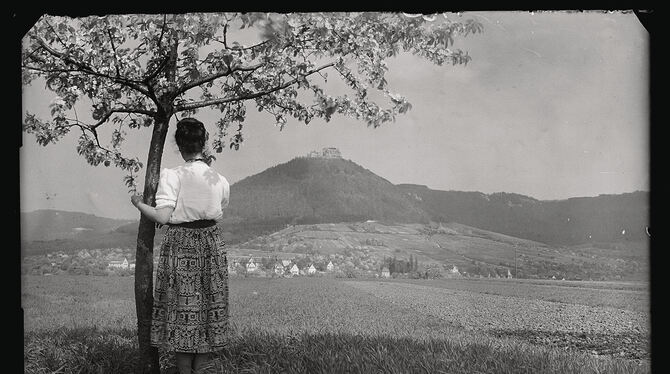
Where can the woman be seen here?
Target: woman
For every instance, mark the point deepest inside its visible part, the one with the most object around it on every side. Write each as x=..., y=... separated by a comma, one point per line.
x=190, y=311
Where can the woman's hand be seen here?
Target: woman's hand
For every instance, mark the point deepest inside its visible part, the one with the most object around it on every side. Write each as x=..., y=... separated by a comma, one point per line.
x=136, y=199
x=160, y=215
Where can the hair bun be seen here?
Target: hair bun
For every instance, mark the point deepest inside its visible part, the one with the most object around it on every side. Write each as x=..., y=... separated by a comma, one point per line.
x=191, y=135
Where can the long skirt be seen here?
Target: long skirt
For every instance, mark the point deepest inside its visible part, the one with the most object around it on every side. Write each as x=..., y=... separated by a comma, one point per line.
x=190, y=310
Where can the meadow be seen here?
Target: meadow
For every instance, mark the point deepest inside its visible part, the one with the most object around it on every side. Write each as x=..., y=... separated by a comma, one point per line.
x=86, y=324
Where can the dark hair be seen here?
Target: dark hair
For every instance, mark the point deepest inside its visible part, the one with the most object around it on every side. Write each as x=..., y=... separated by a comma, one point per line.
x=190, y=135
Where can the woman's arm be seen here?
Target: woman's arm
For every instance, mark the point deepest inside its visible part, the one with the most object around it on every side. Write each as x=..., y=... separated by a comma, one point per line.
x=160, y=215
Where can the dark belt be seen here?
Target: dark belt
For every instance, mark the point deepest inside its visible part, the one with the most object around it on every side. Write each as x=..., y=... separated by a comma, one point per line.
x=196, y=224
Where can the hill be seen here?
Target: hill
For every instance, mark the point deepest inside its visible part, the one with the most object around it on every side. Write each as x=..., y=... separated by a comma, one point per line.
x=363, y=247
x=604, y=218
x=320, y=190
x=50, y=230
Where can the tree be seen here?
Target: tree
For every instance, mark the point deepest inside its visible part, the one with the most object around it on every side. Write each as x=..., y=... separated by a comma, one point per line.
x=139, y=71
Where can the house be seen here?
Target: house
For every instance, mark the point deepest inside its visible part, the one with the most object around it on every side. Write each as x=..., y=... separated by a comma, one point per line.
x=279, y=268
x=311, y=269
x=454, y=271
x=286, y=263
x=251, y=265
x=119, y=264
x=509, y=275
x=385, y=272
x=330, y=266
x=295, y=270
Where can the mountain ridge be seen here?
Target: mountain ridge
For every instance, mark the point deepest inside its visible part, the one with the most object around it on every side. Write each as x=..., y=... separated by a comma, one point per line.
x=308, y=190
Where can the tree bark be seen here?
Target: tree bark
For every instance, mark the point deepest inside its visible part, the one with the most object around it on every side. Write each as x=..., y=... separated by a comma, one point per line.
x=144, y=265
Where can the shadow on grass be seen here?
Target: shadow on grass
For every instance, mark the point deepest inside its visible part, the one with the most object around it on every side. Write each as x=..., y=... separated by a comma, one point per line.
x=89, y=350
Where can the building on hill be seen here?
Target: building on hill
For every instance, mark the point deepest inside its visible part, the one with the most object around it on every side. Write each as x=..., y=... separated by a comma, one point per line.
x=509, y=274
x=279, y=268
x=331, y=152
x=328, y=152
x=330, y=266
x=386, y=273
x=311, y=270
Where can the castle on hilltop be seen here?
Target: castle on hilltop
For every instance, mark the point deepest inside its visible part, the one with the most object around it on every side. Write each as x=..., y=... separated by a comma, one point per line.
x=328, y=152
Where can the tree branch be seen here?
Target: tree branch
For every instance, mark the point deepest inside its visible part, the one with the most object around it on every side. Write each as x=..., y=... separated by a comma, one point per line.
x=165, y=59
x=30, y=55
x=160, y=37
x=50, y=71
x=205, y=103
x=116, y=58
x=212, y=77
x=88, y=70
x=121, y=110
x=56, y=34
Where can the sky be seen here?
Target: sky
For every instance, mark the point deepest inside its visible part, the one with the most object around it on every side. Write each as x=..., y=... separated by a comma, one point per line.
x=552, y=105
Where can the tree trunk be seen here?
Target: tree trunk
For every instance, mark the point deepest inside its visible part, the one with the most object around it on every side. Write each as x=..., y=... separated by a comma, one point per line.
x=144, y=265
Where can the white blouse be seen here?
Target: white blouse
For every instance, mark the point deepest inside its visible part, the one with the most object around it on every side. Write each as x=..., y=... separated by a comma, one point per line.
x=195, y=190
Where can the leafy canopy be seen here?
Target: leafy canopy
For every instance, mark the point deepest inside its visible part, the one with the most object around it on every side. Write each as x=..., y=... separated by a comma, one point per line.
x=139, y=70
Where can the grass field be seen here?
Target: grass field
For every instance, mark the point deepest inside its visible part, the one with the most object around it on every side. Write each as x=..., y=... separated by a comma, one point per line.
x=86, y=324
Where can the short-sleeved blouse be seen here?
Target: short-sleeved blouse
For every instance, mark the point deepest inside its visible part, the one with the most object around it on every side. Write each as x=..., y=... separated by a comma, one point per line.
x=195, y=190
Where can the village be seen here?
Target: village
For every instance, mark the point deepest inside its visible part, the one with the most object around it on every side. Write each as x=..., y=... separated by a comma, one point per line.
x=121, y=262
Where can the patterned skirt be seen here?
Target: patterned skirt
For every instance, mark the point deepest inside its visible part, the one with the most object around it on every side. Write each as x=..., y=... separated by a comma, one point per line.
x=190, y=311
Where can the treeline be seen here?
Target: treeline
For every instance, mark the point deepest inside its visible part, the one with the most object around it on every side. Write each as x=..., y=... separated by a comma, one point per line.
x=604, y=218
x=395, y=265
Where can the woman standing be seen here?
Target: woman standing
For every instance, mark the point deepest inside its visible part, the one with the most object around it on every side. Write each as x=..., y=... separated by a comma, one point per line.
x=190, y=311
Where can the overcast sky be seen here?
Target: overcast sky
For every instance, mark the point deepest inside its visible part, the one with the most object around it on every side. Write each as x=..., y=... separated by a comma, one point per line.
x=552, y=106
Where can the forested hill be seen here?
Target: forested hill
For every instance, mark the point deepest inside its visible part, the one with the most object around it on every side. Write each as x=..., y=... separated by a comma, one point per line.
x=319, y=190
x=604, y=218
x=316, y=190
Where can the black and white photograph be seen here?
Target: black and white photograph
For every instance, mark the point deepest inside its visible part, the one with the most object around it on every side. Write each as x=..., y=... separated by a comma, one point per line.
x=336, y=192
